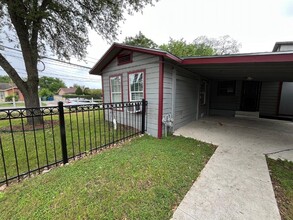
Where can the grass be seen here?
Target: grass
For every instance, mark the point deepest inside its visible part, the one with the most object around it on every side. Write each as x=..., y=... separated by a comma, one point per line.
x=282, y=178
x=144, y=179
x=87, y=130
x=9, y=105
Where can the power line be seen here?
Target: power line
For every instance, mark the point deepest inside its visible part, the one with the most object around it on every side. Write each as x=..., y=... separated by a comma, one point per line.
x=49, y=58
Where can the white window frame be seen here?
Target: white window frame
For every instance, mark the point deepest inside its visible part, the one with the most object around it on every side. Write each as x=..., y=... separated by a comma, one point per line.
x=129, y=85
x=111, y=88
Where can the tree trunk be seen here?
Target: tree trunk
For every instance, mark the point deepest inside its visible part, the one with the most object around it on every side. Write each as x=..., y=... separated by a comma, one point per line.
x=31, y=100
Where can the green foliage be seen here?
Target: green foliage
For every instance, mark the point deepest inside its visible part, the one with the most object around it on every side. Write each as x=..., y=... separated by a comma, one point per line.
x=78, y=91
x=50, y=83
x=181, y=48
x=5, y=79
x=10, y=98
x=45, y=93
x=140, y=40
x=143, y=179
x=282, y=176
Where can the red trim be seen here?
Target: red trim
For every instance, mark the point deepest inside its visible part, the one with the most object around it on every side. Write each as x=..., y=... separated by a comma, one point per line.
x=240, y=59
x=144, y=81
x=121, y=87
x=279, y=97
x=103, y=97
x=161, y=88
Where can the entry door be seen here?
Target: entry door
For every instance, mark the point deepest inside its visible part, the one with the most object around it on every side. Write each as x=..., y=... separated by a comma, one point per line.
x=250, y=96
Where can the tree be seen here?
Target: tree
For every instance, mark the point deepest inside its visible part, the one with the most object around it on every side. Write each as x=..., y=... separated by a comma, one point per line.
x=222, y=45
x=181, y=48
x=78, y=91
x=52, y=84
x=45, y=93
x=60, y=26
x=140, y=40
x=5, y=79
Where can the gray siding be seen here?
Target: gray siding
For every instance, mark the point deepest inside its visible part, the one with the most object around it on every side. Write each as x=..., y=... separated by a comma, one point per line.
x=186, y=98
x=286, y=103
x=224, y=105
x=140, y=61
x=168, y=91
x=269, y=98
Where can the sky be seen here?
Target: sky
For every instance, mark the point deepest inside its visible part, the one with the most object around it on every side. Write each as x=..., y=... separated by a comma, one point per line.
x=256, y=24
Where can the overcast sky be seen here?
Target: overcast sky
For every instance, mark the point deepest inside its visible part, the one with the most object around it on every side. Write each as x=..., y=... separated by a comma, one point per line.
x=256, y=24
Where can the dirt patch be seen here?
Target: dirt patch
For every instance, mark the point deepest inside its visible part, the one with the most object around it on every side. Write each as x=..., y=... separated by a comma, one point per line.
x=27, y=127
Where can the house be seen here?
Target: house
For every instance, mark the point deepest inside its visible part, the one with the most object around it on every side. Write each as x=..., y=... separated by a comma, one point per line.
x=8, y=89
x=66, y=91
x=189, y=88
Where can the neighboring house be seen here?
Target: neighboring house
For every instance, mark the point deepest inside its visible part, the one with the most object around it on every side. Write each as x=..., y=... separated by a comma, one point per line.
x=7, y=89
x=190, y=88
x=66, y=91
x=286, y=96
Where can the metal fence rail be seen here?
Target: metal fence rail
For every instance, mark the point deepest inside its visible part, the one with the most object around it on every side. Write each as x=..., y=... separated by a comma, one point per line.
x=32, y=140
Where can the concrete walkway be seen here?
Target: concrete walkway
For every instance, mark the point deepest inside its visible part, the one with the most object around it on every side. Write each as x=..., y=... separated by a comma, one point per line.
x=235, y=183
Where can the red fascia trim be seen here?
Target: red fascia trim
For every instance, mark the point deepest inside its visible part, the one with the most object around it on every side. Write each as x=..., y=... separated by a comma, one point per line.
x=103, y=96
x=144, y=81
x=161, y=87
x=157, y=53
x=121, y=88
x=279, y=97
x=240, y=59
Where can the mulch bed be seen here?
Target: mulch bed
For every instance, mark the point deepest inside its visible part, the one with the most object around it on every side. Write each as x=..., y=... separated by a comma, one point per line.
x=27, y=127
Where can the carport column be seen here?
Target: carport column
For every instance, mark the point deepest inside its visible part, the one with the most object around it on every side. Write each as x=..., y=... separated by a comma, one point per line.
x=161, y=90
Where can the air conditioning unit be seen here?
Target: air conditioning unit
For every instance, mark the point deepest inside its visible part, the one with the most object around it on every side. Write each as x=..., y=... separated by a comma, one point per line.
x=134, y=109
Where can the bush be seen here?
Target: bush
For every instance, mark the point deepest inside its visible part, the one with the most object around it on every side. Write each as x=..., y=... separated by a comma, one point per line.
x=10, y=98
x=45, y=93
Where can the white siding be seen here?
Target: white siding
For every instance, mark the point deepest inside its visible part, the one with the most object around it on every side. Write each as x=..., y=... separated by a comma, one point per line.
x=140, y=61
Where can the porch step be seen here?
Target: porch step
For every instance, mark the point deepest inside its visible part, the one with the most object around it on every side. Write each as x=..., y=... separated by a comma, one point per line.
x=247, y=114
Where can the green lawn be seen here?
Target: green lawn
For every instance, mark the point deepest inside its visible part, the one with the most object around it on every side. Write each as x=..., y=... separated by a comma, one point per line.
x=282, y=178
x=84, y=131
x=143, y=179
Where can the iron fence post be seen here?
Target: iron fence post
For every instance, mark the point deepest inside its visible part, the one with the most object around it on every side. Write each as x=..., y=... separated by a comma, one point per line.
x=62, y=132
x=143, y=116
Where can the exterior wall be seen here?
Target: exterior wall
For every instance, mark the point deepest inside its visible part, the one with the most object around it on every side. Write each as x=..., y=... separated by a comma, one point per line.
x=2, y=96
x=186, y=98
x=10, y=92
x=286, y=102
x=141, y=61
x=224, y=105
x=269, y=98
x=285, y=48
x=203, y=110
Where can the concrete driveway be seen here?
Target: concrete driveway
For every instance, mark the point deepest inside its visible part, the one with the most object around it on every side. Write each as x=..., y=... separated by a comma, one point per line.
x=235, y=183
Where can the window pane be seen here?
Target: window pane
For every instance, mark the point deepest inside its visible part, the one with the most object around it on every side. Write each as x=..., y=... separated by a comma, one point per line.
x=136, y=86
x=116, y=89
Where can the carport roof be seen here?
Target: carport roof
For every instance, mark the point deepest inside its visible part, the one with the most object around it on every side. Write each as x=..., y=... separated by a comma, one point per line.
x=271, y=66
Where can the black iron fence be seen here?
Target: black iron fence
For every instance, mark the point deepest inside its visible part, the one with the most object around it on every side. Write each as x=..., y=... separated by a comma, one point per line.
x=37, y=139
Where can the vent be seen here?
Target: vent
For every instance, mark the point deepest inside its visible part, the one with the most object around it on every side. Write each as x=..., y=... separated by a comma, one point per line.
x=124, y=58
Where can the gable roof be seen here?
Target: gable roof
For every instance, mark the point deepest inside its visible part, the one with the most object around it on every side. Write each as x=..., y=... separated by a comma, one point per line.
x=69, y=90
x=5, y=86
x=266, y=57
x=116, y=48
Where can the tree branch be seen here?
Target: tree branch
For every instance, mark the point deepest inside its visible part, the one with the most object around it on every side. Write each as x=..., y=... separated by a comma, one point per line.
x=12, y=73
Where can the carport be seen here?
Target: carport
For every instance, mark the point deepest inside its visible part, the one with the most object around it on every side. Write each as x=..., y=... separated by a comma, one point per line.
x=246, y=84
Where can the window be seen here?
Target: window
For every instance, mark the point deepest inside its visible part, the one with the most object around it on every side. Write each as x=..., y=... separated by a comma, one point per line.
x=124, y=58
x=116, y=88
x=203, y=93
x=136, y=86
x=226, y=88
